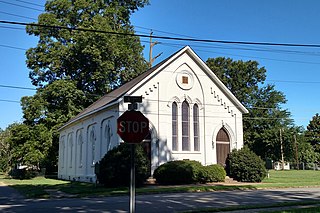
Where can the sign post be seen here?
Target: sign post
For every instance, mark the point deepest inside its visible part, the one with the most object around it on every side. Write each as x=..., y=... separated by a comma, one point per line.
x=132, y=127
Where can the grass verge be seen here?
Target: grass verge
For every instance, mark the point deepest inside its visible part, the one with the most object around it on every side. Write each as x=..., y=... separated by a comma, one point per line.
x=38, y=187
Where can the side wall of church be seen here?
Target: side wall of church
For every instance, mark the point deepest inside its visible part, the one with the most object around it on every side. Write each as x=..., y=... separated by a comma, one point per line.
x=84, y=143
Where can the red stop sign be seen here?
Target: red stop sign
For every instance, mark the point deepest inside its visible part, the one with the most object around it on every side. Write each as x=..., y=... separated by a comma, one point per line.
x=132, y=127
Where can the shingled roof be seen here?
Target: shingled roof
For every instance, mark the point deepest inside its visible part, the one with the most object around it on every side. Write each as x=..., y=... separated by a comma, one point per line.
x=114, y=95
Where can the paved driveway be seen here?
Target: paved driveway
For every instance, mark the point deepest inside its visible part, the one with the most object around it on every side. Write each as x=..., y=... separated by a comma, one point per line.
x=10, y=201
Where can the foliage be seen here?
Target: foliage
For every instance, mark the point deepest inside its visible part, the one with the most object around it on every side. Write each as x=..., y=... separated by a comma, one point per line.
x=313, y=132
x=5, y=151
x=245, y=166
x=96, y=61
x=114, y=168
x=29, y=145
x=246, y=80
x=73, y=68
x=212, y=173
x=186, y=172
x=23, y=174
x=178, y=172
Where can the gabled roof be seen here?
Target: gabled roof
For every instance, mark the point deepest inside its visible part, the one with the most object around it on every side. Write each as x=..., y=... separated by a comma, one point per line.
x=114, y=96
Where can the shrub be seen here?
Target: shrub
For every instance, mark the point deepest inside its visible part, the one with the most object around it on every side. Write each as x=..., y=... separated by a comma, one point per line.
x=245, y=166
x=23, y=174
x=178, y=172
x=212, y=173
x=114, y=168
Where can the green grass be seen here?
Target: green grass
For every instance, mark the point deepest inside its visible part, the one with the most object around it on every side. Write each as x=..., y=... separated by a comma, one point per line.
x=38, y=187
x=291, y=178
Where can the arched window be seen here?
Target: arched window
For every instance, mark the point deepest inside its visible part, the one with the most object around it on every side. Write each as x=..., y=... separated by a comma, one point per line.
x=196, y=128
x=93, y=144
x=107, y=136
x=185, y=126
x=174, y=126
x=63, y=148
x=70, y=142
x=80, y=143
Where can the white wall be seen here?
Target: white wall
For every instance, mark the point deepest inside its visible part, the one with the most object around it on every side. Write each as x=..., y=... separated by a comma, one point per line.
x=84, y=143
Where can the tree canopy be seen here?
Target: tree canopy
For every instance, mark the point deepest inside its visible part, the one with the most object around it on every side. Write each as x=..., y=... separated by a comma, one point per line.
x=313, y=132
x=246, y=80
x=98, y=62
x=72, y=68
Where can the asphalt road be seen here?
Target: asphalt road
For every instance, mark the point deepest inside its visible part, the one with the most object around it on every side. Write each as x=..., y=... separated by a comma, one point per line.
x=11, y=201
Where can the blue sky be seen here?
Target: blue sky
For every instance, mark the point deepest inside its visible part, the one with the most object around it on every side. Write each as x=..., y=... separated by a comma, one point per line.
x=294, y=71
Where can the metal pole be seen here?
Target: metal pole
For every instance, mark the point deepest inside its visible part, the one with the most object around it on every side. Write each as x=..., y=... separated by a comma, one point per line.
x=132, y=181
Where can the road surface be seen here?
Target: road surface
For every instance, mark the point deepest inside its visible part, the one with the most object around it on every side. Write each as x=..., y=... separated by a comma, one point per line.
x=11, y=201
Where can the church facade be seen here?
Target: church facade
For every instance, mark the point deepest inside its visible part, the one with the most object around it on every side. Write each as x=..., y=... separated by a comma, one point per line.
x=192, y=115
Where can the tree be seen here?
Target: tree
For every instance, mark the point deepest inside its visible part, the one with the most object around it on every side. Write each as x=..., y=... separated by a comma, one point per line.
x=5, y=151
x=313, y=132
x=261, y=126
x=73, y=68
x=29, y=145
x=97, y=62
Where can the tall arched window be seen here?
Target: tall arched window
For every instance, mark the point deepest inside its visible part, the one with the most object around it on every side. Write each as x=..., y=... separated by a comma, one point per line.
x=174, y=126
x=63, y=148
x=93, y=144
x=70, y=142
x=196, y=128
x=185, y=127
x=108, y=135
x=80, y=143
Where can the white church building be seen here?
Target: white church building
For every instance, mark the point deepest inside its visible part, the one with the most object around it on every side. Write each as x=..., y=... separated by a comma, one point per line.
x=192, y=115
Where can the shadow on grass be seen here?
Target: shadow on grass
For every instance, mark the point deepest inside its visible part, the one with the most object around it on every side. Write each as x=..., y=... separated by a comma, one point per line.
x=78, y=189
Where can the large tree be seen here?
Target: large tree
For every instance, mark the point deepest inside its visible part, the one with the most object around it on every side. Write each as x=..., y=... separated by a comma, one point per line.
x=71, y=67
x=246, y=80
x=98, y=62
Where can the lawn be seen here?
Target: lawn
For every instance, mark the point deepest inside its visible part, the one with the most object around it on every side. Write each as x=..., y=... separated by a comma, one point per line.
x=291, y=178
x=39, y=187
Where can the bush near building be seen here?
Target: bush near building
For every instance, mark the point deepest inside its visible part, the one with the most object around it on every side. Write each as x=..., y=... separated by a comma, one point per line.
x=245, y=166
x=114, y=168
x=187, y=172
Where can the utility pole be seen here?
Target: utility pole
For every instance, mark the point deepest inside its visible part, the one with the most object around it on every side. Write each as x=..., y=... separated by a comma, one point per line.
x=152, y=44
x=281, y=149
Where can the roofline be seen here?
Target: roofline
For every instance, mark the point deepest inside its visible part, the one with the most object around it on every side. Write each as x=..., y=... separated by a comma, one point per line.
x=155, y=70
x=115, y=102
x=191, y=53
x=220, y=84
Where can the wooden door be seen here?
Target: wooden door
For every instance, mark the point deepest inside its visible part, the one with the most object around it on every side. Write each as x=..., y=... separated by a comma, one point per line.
x=222, y=146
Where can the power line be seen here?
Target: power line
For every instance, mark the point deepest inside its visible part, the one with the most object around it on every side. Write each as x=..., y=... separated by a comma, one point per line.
x=18, y=5
x=13, y=28
x=12, y=14
x=11, y=47
x=17, y=87
x=163, y=37
x=34, y=4
x=9, y=101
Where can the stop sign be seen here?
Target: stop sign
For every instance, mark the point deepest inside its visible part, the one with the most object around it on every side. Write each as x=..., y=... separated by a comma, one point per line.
x=132, y=126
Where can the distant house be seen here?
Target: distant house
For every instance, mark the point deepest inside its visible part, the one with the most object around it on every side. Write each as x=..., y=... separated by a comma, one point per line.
x=192, y=115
